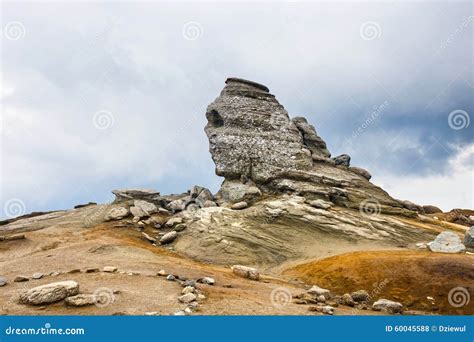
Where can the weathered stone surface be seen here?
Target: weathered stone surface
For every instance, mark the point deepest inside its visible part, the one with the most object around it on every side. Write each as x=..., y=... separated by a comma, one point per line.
x=128, y=194
x=343, y=159
x=187, y=298
x=146, y=207
x=207, y=280
x=246, y=272
x=80, y=300
x=168, y=237
x=174, y=221
x=239, y=205
x=325, y=309
x=235, y=191
x=311, y=140
x=387, y=306
x=431, y=209
x=361, y=172
x=469, y=238
x=116, y=213
x=37, y=275
x=360, y=296
x=347, y=300
x=321, y=204
x=179, y=227
x=49, y=293
x=447, y=242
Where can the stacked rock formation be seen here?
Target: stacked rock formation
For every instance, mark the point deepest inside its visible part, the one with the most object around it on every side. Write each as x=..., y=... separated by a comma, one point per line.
x=258, y=149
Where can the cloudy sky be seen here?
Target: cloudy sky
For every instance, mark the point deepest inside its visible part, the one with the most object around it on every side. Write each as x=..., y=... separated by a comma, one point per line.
x=99, y=96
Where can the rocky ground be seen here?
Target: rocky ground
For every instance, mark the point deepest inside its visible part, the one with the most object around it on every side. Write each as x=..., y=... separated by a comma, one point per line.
x=291, y=231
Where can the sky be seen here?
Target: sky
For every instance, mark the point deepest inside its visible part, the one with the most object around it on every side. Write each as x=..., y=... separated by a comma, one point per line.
x=100, y=96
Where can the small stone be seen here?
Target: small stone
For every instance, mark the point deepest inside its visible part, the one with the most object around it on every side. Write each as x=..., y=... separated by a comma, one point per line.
x=37, y=275
x=189, y=282
x=174, y=221
x=162, y=273
x=187, y=298
x=246, y=272
x=360, y=296
x=325, y=309
x=152, y=313
x=54, y=274
x=80, y=300
x=148, y=237
x=200, y=296
x=239, y=205
x=141, y=224
x=179, y=313
x=207, y=280
x=188, y=311
x=3, y=281
x=170, y=277
x=321, y=299
x=110, y=269
x=168, y=237
x=75, y=270
x=20, y=278
x=188, y=289
x=343, y=159
x=157, y=226
x=179, y=227
x=92, y=270
x=318, y=291
x=387, y=306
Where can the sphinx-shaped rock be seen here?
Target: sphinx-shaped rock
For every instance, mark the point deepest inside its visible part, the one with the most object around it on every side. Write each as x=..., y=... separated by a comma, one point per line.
x=258, y=149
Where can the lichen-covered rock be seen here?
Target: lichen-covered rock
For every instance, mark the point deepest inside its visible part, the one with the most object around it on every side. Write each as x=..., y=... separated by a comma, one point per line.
x=49, y=293
x=447, y=242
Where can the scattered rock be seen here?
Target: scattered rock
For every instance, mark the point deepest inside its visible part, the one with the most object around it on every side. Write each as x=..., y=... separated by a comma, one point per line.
x=320, y=204
x=325, y=309
x=321, y=299
x=20, y=278
x=246, y=272
x=318, y=291
x=239, y=205
x=3, y=281
x=49, y=293
x=343, y=159
x=189, y=282
x=188, y=311
x=422, y=245
x=200, y=296
x=180, y=313
x=179, y=227
x=168, y=237
x=174, y=221
x=162, y=273
x=469, y=238
x=80, y=300
x=143, y=208
x=447, y=242
x=347, y=300
x=110, y=269
x=92, y=270
x=431, y=209
x=148, y=237
x=170, y=277
x=207, y=280
x=360, y=296
x=387, y=306
x=75, y=270
x=188, y=289
x=187, y=298
x=412, y=206
x=37, y=275
x=116, y=213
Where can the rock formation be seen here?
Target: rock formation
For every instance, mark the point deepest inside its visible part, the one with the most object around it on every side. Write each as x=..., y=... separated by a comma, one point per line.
x=258, y=149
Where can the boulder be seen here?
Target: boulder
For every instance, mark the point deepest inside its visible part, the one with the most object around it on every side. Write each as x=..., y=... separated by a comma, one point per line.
x=469, y=238
x=343, y=159
x=361, y=172
x=412, y=206
x=177, y=205
x=234, y=191
x=431, y=209
x=147, y=207
x=318, y=291
x=447, y=242
x=387, y=306
x=246, y=272
x=116, y=213
x=360, y=296
x=49, y=293
x=80, y=300
x=168, y=237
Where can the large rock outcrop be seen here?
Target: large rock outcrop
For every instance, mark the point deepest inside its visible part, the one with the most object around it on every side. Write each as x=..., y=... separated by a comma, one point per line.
x=257, y=148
